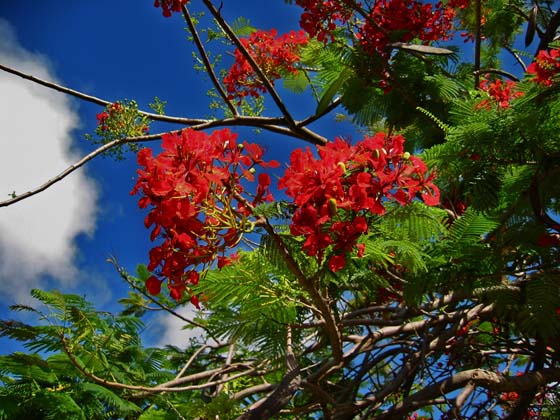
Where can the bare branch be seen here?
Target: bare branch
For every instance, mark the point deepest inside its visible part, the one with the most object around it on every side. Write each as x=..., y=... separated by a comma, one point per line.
x=96, y=100
x=80, y=163
x=477, y=377
x=274, y=124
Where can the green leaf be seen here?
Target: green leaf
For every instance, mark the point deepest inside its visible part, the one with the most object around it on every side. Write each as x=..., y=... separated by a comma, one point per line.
x=296, y=83
x=332, y=90
x=142, y=272
x=104, y=394
x=242, y=27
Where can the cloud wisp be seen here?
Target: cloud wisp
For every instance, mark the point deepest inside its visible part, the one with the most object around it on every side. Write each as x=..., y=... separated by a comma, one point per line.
x=38, y=235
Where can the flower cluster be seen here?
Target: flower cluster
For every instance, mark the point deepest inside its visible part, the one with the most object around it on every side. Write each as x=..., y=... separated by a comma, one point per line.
x=275, y=55
x=335, y=193
x=121, y=119
x=112, y=111
x=320, y=18
x=545, y=66
x=387, y=21
x=403, y=20
x=197, y=207
x=168, y=6
x=499, y=92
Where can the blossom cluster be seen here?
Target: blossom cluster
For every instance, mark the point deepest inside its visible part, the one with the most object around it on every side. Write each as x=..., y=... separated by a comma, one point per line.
x=387, y=21
x=168, y=6
x=275, y=55
x=545, y=66
x=335, y=193
x=197, y=202
x=320, y=18
x=121, y=119
x=403, y=20
x=500, y=92
x=103, y=117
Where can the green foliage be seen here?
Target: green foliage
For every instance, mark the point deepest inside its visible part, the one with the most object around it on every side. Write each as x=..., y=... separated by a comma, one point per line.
x=118, y=121
x=242, y=27
x=252, y=303
x=471, y=283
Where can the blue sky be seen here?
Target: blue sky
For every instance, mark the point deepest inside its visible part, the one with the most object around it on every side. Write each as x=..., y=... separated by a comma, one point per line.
x=114, y=50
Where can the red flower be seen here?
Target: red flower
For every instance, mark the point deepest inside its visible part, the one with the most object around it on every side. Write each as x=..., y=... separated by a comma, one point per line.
x=169, y=6
x=335, y=193
x=548, y=240
x=274, y=54
x=225, y=261
x=501, y=93
x=195, y=199
x=320, y=18
x=337, y=263
x=545, y=66
x=153, y=285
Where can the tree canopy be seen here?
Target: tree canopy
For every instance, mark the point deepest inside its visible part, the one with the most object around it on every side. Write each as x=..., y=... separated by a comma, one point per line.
x=411, y=273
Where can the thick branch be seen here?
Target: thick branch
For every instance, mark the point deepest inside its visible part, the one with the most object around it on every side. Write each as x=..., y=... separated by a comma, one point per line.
x=477, y=42
x=278, y=399
x=493, y=381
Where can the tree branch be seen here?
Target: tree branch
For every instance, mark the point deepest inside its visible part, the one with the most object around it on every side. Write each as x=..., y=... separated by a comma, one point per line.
x=170, y=386
x=274, y=124
x=96, y=100
x=478, y=377
x=80, y=163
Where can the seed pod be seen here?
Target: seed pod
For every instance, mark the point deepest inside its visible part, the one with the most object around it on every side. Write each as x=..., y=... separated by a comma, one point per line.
x=531, y=25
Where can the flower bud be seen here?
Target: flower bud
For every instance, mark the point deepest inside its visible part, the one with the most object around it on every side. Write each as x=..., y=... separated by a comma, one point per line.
x=332, y=205
x=406, y=155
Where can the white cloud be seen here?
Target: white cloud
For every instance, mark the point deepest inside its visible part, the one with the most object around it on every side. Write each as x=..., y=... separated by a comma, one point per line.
x=37, y=235
x=169, y=328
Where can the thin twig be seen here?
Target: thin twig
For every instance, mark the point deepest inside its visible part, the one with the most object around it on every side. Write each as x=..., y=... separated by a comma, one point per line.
x=126, y=278
x=166, y=387
x=517, y=58
x=206, y=61
x=191, y=359
x=266, y=82
x=497, y=71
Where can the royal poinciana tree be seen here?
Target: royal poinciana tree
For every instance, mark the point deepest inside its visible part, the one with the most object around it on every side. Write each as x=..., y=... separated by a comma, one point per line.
x=410, y=273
